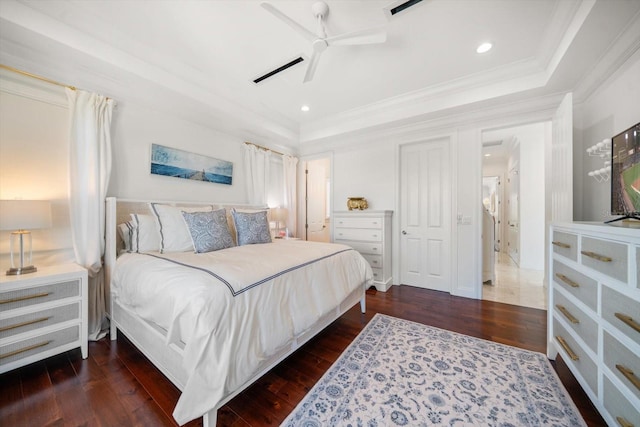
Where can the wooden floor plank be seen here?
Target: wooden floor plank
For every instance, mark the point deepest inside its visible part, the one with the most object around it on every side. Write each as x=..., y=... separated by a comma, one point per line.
x=117, y=385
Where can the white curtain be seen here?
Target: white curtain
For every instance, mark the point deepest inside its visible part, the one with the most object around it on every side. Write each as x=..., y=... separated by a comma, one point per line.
x=90, y=168
x=256, y=166
x=289, y=174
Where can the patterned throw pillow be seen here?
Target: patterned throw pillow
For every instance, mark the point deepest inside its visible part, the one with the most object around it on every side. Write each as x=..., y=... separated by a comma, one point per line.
x=209, y=230
x=251, y=227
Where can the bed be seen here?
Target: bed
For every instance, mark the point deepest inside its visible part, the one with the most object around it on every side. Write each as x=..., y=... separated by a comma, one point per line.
x=214, y=322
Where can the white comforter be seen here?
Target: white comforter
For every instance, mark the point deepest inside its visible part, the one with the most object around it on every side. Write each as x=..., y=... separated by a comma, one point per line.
x=236, y=307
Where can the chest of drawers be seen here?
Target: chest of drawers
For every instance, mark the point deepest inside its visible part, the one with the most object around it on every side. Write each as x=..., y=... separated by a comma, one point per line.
x=42, y=314
x=370, y=234
x=594, y=313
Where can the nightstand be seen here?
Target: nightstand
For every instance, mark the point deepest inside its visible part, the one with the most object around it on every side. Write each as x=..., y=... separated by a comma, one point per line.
x=42, y=314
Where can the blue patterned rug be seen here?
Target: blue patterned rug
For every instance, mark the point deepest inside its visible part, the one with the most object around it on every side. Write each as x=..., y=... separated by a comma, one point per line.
x=398, y=372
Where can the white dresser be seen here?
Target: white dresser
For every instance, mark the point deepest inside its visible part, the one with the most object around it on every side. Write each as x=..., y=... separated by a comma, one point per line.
x=368, y=232
x=42, y=314
x=594, y=313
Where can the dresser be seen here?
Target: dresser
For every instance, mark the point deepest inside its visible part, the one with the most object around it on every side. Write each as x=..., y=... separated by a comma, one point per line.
x=368, y=232
x=42, y=314
x=594, y=313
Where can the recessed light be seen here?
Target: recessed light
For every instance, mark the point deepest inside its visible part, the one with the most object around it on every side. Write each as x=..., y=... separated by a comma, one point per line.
x=487, y=155
x=484, y=47
x=304, y=108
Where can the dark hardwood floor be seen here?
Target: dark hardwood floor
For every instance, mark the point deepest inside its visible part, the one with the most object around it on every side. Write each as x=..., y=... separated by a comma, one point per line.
x=117, y=386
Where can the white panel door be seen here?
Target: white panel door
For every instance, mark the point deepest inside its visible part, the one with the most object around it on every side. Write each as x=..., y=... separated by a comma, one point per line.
x=562, y=161
x=317, y=229
x=425, y=217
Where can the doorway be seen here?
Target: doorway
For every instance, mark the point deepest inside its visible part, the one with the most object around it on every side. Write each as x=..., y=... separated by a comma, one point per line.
x=316, y=209
x=514, y=158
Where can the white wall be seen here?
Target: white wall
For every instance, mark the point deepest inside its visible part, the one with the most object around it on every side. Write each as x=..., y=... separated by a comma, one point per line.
x=614, y=107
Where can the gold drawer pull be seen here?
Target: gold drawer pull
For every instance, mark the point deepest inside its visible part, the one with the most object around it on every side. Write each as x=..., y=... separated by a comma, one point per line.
x=629, y=321
x=561, y=245
x=28, y=322
x=566, y=347
x=40, y=295
x=566, y=280
x=628, y=373
x=597, y=256
x=623, y=422
x=566, y=313
x=22, y=350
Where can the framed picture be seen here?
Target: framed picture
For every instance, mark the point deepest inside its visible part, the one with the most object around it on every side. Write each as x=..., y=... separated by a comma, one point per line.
x=169, y=161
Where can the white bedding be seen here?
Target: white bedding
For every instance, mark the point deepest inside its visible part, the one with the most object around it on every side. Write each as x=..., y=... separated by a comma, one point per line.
x=235, y=308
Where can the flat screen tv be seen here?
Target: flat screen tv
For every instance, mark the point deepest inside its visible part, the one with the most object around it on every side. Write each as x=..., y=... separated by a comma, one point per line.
x=625, y=174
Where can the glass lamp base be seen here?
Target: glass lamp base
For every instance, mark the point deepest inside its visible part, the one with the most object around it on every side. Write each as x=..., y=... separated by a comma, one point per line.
x=14, y=271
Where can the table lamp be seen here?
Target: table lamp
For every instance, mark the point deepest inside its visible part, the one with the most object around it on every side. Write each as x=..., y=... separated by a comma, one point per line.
x=279, y=215
x=20, y=216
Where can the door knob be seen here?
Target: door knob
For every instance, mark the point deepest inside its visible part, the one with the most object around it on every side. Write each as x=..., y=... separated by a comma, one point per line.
x=404, y=232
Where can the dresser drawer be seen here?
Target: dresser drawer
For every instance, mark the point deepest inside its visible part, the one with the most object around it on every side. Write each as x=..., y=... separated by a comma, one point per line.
x=364, y=234
x=377, y=274
x=579, y=321
x=365, y=247
x=40, y=319
x=628, y=310
x=375, y=223
x=607, y=257
x=565, y=244
x=622, y=362
x=587, y=367
x=618, y=405
x=33, y=346
x=577, y=284
x=373, y=260
x=37, y=295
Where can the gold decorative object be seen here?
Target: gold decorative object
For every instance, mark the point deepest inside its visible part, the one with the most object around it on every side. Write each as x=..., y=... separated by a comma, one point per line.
x=357, y=203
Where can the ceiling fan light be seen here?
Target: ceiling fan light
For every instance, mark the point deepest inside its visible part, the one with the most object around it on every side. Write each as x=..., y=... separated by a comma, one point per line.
x=484, y=47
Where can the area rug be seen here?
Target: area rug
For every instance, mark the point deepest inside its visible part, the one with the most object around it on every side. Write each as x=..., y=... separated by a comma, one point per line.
x=398, y=372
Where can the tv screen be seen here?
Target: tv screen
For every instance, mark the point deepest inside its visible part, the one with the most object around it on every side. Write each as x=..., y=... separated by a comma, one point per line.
x=625, y=172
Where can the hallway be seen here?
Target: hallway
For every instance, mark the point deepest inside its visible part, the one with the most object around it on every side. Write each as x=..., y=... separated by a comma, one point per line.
x=516, y=286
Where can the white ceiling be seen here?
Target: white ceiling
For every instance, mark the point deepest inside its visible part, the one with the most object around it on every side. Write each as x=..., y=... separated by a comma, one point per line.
x=201, y=57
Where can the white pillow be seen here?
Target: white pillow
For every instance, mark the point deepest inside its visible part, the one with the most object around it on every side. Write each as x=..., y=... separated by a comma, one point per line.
x=146, y=237
x=173, y=231
x=126, y=231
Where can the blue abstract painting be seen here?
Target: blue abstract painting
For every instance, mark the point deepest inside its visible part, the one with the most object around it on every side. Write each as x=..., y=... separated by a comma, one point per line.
x=169, y=161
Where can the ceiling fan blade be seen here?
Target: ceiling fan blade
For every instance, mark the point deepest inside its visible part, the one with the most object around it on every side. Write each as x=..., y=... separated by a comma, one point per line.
x=293, y=24
x=311, y=69
x=367, y=36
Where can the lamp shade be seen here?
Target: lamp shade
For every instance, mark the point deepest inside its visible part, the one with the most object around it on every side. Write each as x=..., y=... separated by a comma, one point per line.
x=279, y=214
x=25, y=214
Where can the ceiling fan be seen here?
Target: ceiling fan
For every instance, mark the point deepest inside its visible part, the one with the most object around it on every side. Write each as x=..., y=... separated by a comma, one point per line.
x=319, y=40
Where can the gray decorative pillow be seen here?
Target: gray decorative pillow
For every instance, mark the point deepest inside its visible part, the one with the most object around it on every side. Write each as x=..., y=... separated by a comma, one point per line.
x=209, y=230
x=251, y=227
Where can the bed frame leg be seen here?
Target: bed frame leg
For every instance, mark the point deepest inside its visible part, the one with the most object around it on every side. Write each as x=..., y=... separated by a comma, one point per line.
x=210, y=418
x=113, y=330
x=363, y=304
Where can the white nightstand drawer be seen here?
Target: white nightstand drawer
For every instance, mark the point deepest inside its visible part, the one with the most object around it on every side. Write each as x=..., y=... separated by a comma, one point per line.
x=618, y=405
x=25, y=297
x=622, y=362
x=622, y=312
x=40, y=319
x=375, y=261
x=377, y=274
x=581, y=323
x=607, y=257
x=565, y=244
x=363, y=234
x=365, y=247
x=342, y=222
x=24, y=349
x=580, y=286
x=584, y=364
